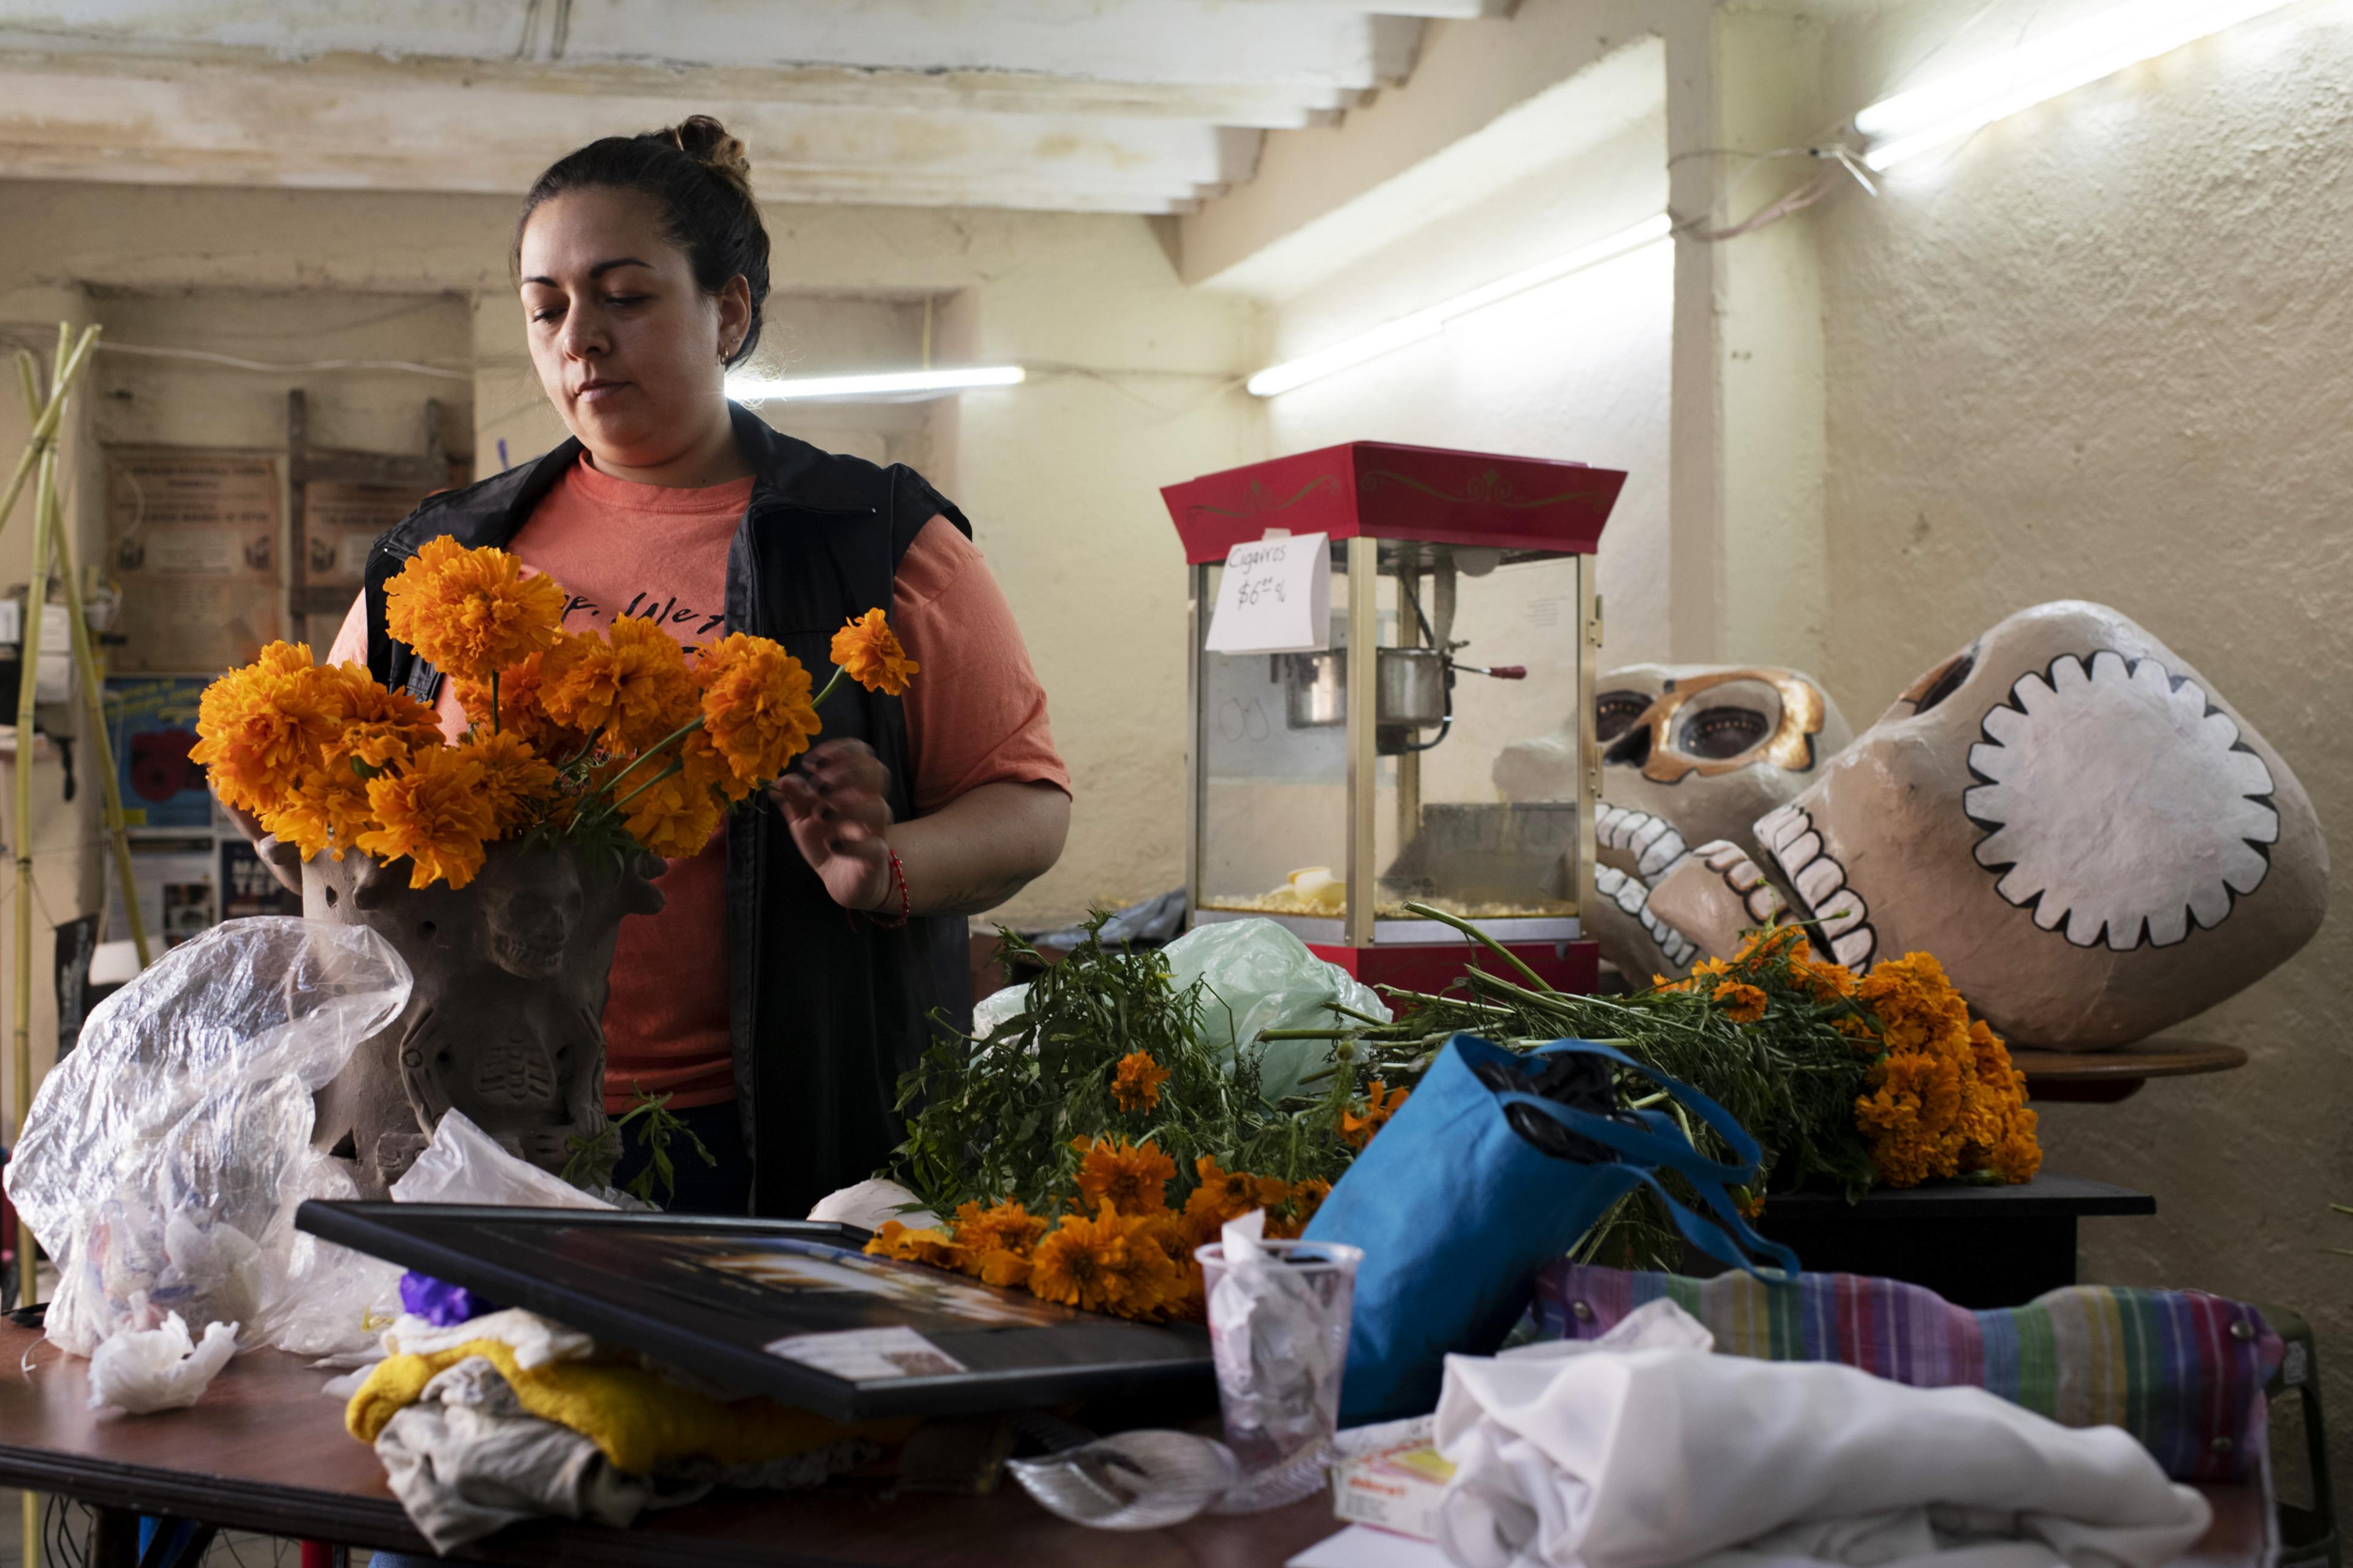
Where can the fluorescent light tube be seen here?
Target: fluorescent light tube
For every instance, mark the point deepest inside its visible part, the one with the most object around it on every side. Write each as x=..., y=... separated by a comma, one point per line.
x=908, y=383
x=1914, y=122
x=1275, y=380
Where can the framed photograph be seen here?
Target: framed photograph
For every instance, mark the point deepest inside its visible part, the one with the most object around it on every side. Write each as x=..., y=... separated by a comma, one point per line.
x=790, y=1309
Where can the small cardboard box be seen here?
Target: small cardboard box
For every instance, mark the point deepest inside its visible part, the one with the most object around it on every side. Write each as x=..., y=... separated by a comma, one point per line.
x=1394, y=1488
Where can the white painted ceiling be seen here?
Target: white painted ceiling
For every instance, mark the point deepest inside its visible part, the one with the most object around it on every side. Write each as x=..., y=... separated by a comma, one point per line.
x=1140, y=106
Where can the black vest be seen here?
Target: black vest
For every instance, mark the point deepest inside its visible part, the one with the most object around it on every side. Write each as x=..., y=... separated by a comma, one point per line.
x=826, y=1009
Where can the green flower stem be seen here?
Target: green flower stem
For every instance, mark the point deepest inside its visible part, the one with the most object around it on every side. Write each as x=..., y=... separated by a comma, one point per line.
x=671, y=772
x=653, y=751
x=1483, y=940
x=838, y=673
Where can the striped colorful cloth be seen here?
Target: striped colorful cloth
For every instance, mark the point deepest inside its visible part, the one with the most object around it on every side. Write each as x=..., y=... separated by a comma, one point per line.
x=2181, y=1371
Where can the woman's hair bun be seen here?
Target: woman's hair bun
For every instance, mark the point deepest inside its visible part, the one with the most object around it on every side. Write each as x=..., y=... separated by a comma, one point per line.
x=706, y=141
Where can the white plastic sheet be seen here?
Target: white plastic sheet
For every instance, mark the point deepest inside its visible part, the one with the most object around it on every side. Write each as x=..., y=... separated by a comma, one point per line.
x=165, y=1157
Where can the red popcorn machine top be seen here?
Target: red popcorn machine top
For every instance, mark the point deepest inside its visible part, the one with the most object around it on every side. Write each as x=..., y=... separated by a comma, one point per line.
x=1458, y=587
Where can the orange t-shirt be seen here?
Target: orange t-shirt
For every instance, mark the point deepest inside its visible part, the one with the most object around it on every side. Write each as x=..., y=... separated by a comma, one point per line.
x=976, y=715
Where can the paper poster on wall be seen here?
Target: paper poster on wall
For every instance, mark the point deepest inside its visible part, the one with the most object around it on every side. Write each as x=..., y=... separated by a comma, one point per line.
x=151, y=722
x=192, y=536
x=175, y=883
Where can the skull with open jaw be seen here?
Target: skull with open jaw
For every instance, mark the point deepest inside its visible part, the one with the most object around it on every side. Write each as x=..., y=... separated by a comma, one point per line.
x=2053, y=811
x=1693, y=754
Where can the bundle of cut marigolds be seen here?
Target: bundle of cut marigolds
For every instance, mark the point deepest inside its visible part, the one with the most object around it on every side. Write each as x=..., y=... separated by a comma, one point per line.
x=621, y=740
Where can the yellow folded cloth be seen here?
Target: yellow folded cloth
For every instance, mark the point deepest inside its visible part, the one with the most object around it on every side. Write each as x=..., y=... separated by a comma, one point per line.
x=636, y=1418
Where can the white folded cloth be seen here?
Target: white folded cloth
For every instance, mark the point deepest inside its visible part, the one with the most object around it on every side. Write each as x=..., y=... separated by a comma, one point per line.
x=1655, y=1457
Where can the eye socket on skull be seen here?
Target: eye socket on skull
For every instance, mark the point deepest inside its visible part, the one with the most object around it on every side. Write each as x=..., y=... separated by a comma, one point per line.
x=1941, y=682
x=1614, y=713
x=1716, y=734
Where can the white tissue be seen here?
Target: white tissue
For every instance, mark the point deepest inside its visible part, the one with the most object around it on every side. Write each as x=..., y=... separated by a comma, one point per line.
x=146, y=1370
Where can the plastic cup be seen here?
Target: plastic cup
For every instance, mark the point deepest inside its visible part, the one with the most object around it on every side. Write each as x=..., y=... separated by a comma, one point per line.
x=1279, y=1366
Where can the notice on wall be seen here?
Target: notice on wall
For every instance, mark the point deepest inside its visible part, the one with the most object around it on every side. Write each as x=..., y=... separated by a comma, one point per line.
x=192, y=536
x=341, y=522
x=1275, y=597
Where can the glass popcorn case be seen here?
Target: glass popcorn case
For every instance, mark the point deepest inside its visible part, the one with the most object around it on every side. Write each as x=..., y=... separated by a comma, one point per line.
x=1460, y=595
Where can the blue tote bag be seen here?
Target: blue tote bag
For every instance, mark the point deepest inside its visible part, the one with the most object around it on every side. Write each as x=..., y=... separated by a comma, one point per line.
x=1456, y=1211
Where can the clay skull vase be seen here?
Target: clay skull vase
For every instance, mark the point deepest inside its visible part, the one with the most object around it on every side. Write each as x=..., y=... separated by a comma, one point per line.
x=505, y=1020
x=2092, y=842
x=1692, y=754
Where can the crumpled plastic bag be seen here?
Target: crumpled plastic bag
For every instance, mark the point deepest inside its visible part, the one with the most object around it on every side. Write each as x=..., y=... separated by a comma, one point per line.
x=464, y=1165
x=165, y=1157
x=145, y=1370
x=1260, y=975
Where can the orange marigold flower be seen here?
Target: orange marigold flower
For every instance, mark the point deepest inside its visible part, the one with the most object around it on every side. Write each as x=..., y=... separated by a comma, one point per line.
x=522, y=709
x=1112, y=1263
x=325, y=807
x=673, y=816
x=1226, y=1194
x=924, y=1245
x=757, y=708
x=1131, y=1177
x=1136, y=1085
x=867, y=652
x=1380, y=1104
x=654, y=695
x=1006, y=1227
x=1083, y=1262
x=259, y=728
x=998, y=1267
x=579, y=683
x=1742, y=1003
x=433, y=810
x=1297, y=1209
x=471, y=612
x=516, y=780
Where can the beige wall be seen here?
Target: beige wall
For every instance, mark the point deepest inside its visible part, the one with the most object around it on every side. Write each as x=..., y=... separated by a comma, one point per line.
x=2100, y=352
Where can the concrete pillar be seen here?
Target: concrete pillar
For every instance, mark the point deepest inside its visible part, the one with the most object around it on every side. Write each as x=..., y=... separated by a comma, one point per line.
x=1748, y=446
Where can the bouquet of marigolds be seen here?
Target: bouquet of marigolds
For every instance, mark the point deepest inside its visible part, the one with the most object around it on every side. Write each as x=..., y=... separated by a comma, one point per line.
x=621, y=740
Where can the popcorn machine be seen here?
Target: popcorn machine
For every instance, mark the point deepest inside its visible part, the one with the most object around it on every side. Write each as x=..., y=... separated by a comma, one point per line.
x=1460, y=593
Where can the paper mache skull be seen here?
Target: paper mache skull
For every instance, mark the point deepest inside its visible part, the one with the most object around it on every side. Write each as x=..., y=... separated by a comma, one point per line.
x=2065, y=814
x=1692, y=754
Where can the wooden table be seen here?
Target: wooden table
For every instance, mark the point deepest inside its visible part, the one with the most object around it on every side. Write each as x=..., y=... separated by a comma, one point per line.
x=2103, y=1078
x=1976, y=1246
x=264, y=1450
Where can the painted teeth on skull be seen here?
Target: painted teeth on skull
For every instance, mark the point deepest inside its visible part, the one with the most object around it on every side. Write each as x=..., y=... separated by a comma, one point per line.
x=1632, y=897
x=1652, y=840
x=2121, y=866
x=1760, y=898
x=1819, y=882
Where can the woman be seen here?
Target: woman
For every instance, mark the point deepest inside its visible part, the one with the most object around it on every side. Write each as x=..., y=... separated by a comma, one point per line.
x=788, y=983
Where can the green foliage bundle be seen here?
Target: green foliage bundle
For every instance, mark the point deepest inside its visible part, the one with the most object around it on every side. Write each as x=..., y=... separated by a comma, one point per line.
x=995, y=1117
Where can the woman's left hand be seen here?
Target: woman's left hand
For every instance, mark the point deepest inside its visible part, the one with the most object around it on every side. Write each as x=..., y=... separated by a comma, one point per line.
x=833, y=803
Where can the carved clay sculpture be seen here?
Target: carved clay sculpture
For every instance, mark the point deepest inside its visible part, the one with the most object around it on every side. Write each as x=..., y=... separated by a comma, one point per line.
x=1693, y=754
x=505, y=1022
x=2067, y=815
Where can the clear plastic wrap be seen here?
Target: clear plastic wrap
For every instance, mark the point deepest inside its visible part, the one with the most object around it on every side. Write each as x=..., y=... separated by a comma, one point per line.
x=165, y=1157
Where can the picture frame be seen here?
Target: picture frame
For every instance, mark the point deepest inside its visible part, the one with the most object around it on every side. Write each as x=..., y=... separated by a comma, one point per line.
x=790, y=1309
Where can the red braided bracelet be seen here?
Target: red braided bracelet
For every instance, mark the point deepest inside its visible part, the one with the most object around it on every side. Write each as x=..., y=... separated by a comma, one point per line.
x=899, y=878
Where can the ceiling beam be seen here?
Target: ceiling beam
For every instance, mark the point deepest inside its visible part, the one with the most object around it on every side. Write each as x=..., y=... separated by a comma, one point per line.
x=1293, y=43
x=1280, y=107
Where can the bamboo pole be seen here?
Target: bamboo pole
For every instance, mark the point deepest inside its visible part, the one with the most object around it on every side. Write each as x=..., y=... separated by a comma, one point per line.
x=93, y=698
x=40, y=459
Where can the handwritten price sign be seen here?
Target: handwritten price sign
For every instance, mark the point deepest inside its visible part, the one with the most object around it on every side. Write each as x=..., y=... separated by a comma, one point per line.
x=1275, y=597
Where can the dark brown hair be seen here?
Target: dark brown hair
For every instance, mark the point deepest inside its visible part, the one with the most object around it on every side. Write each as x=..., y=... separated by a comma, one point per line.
x=699, y=178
